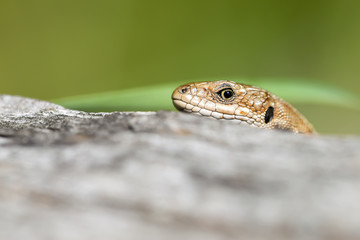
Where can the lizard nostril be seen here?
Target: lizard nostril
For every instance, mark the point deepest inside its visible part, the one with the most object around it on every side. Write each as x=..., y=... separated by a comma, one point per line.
x=184, y=90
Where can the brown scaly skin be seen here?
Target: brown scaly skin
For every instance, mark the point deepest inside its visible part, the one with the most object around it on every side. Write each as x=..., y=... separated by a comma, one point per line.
x=229, y=100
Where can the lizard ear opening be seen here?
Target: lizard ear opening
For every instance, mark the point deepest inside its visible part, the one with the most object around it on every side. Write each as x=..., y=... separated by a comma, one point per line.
x=269, y=114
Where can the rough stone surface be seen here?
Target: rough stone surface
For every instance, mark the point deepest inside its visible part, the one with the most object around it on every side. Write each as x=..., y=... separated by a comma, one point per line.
x=72, y=175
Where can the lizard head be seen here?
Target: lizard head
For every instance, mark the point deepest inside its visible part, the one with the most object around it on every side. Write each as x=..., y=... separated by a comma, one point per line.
x=229, y=100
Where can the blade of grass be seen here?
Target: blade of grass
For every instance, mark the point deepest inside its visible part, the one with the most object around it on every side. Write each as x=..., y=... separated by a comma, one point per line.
x=158, y=97
x=135, y=99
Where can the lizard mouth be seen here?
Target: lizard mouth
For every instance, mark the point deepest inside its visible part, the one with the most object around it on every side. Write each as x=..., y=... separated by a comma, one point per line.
x=189, y=108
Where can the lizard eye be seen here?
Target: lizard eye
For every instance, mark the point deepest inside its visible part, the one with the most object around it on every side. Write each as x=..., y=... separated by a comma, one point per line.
x=226, y=93
x=269, y=114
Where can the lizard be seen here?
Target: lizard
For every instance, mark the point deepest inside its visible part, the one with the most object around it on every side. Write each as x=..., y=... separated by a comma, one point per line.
x=225, y=99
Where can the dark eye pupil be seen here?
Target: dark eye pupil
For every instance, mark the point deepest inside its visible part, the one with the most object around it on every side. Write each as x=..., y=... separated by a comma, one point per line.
x=228, y=94
x=269, y=114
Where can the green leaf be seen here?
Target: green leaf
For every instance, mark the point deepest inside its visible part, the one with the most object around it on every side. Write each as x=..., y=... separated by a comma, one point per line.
x=158, y=97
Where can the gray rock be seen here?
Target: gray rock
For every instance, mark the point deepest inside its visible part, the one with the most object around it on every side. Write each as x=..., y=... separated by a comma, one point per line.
x=73, y=175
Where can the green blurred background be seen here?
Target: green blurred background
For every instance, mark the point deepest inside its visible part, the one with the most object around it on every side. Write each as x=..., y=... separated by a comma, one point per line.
x=58, y=48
